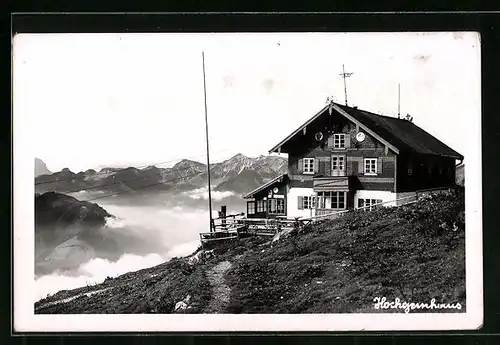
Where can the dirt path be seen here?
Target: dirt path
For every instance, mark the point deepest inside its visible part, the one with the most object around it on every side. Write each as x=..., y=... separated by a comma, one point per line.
x=220, y=291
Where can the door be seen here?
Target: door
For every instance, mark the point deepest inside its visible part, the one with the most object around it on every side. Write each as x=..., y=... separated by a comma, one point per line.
x=338, y=165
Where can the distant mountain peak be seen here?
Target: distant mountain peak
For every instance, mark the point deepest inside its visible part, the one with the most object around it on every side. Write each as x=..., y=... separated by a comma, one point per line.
x=188, y=163
x=41, y=168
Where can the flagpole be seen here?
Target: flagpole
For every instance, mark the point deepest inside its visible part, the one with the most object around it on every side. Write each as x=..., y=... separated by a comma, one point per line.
x=208, y=150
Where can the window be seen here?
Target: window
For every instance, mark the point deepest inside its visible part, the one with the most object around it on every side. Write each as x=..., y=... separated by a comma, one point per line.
x=308, y=202
x=338, y=165
x=368, y=203
x=261, y=206
x=251, y=207
x=371, y=166
x=331, y=200
x=276, y=206
x=308, y=167
x=339, y=141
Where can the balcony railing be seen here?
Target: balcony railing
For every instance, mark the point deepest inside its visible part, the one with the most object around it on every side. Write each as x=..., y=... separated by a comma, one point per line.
x=331, y=183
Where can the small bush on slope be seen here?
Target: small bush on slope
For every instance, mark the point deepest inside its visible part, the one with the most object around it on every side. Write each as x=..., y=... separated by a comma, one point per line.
x=415, y=253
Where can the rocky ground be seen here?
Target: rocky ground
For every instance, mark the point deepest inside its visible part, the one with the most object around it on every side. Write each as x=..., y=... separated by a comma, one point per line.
x=414, y=252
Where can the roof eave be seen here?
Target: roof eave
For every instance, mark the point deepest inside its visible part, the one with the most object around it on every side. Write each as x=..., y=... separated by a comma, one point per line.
x=284, y=141
x=457, y=156
x=261, y=188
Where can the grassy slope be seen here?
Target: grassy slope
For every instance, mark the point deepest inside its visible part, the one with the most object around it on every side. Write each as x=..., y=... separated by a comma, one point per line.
x=152, y=290
x=339, y=266
x=411, y=252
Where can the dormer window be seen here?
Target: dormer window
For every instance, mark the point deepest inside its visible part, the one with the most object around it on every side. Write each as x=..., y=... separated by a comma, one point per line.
x=339, y=141
x=308, y=166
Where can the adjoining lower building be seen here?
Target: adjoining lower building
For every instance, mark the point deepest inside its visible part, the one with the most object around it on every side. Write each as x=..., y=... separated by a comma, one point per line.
x=268, y=200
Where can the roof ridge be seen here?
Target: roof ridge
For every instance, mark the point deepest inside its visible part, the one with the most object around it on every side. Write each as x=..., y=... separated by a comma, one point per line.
x=372, y=113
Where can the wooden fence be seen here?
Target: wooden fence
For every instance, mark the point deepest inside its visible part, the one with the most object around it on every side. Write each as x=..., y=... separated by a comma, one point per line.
x=236, y=226
x=411, y=198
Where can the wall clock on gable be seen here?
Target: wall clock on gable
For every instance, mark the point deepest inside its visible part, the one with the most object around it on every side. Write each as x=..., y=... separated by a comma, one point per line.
x=360, y=137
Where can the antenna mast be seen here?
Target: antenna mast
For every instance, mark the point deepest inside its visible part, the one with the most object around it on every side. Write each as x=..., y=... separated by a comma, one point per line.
x=345, y=75
x=208, y=151
x=399, y=100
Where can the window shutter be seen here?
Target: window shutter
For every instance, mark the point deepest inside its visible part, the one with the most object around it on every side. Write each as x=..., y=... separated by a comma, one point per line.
x=321, y=166
x=300, y=165
x=330, y=142
x=361, y=166
x=300, y=202
x=349, y=166
x=328, y=166
x=316, y=165
x=379, y=165
x=347, y=140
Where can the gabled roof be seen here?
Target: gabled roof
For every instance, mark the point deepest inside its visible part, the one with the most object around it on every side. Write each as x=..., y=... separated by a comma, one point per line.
x=264, y=186
x=398, y=134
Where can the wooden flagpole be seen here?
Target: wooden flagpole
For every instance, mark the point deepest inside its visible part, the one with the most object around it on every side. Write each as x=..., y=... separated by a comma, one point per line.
x=208, y=150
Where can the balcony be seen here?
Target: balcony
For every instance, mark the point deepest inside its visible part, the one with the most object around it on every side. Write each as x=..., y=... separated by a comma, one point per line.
x=331, y=183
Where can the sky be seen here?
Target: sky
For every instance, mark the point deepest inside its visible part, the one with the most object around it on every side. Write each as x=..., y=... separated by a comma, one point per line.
x=91, y=100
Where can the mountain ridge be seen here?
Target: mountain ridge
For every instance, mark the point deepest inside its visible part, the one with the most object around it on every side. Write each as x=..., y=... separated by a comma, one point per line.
x=68, y=232
x=239, y=174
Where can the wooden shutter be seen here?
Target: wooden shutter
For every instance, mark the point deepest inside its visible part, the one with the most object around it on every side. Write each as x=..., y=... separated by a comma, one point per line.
x=300, y=166
x=321, y=166
x=328, y=166
x=330, y=142
x=300, y=202
x=351, y=166
x=347, y=140
x=379, y=165
x=361, y=166
x=316, y=165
